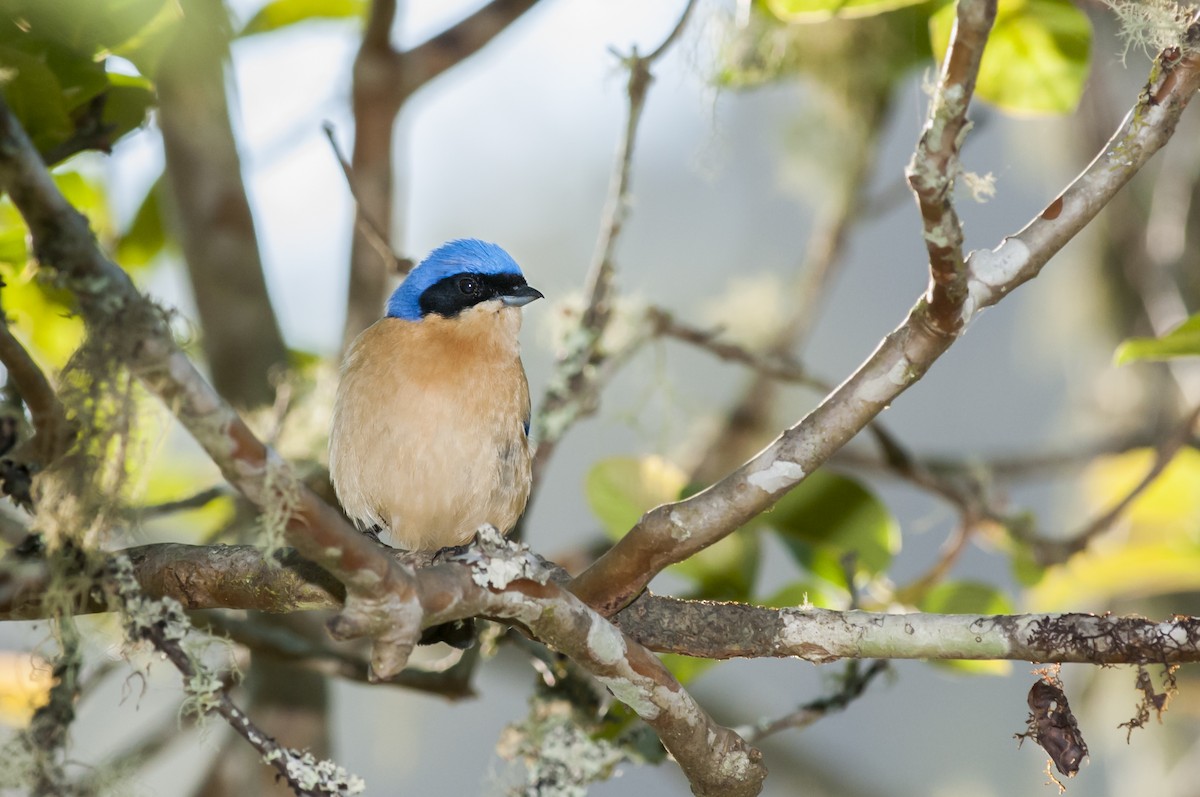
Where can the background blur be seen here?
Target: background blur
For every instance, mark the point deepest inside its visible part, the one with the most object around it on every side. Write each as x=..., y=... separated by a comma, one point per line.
x=515, y=145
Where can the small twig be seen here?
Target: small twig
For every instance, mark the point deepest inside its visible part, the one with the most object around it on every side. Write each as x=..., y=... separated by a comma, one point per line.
x=52, y=431
x=196, y=501
x=1053, y=551
x=364, y=222
x=854, y=680
x=164, y=624
x=573, y=393
x=780, y=367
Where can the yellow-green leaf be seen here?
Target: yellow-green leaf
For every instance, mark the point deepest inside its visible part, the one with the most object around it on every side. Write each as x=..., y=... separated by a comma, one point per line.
x=620, y=490
x=1091, y=580
x=282, y=13
x=1182, y=341
x=821, y=10
x=1036, y=59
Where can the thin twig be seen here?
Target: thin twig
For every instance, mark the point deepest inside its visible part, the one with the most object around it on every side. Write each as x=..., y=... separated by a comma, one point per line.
x=1059, y=550
x=197, y=501
x=364, y=222
x=855, y=681
x=782, y=368
x=573, y=392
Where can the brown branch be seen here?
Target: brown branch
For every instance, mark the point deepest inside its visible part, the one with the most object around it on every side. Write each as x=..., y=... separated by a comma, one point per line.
x=673, y=532
x=381, y=602
x=780, y=367
x=934, y=164
x=573, y=393
x=52, y=432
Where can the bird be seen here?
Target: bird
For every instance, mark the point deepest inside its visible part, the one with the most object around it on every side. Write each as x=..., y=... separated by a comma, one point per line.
x=429, y=437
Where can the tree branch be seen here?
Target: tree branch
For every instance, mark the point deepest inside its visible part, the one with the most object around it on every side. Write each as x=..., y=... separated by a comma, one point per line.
x=673, y=532
x=52, y=432
x=934, y=165
x=704, y=629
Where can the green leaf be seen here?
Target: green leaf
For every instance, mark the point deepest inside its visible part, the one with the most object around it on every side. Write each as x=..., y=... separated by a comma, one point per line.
x=146, y=235
x=829, y=516
x=966, y=597
x=1182, y=341
x=685, y=668
x=36, y=97
x=282, y=13
x=85, y=27
x=724, y=571
x=821, y=10
x=620, y=490
x=1036, y=59
x=127, y=104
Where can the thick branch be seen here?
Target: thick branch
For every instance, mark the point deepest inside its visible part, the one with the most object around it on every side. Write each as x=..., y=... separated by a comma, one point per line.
x=191, y=574
x=673, y=532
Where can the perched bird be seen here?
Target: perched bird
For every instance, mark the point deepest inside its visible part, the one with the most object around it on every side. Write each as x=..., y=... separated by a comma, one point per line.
x=430, y=436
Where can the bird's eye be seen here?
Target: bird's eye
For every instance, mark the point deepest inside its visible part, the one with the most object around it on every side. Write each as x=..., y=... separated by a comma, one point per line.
x=468, y=285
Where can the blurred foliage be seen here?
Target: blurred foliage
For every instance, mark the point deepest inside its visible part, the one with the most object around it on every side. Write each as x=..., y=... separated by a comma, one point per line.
x=55, y=60
x=1182, y=341
x=42, y=314
x=1036, y=59
x=1155, y=548
x=25, y=682
x=823, y=10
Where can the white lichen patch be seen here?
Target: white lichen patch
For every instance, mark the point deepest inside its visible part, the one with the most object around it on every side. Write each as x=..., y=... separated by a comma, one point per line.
x=496, y=562
x=317, y=775
x=989, y=271
x=901, y=373
x=632, y=695
x=781, y=475
x=679, y=527
x=995, y=267
x=605, y=642
x=883, y=388
x=561, y=758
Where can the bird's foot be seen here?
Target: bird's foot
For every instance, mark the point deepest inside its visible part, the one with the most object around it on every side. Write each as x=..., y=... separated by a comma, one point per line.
x=453, y=552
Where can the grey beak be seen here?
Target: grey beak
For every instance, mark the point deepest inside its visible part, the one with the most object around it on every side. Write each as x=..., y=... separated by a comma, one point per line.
x=521, y=296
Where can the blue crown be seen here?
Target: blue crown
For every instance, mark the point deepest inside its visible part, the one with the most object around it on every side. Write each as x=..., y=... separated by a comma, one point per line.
x=468, y=255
